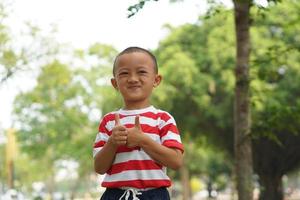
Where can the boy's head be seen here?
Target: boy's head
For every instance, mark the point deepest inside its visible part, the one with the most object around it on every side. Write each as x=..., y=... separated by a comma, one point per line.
x=133, y=50
x=135, y=75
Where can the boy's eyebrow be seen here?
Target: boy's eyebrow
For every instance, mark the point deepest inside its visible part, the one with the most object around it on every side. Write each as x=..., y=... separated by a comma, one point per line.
x=123, y=68
x=120, y=69
x=142, y=67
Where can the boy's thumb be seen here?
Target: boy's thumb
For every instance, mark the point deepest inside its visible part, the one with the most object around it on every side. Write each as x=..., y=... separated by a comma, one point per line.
x=117, y=119
x=137, y=122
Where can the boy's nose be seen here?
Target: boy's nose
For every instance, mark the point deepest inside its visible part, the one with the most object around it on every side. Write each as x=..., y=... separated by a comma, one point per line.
x=132, y=78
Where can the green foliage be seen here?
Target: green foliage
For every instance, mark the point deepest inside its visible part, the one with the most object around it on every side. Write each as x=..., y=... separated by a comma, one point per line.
x=203, y=104
x=22, y=52
x=276, y=66
x=32, y=170
x=211, y=63
x=8, y=56
x=198, y=68
x=103, y=52
x=98, y=77
x=53, y=119
x=276, y=103
x=134, y=9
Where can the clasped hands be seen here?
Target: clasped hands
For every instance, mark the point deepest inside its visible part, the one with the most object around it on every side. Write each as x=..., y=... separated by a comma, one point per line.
x=131, y=137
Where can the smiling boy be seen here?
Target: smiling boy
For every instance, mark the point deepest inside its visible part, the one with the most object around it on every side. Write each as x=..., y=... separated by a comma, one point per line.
x=137, y=143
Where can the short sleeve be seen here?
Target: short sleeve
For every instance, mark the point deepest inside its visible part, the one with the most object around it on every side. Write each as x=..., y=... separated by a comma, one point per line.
x=101, y=137
x=169, y=132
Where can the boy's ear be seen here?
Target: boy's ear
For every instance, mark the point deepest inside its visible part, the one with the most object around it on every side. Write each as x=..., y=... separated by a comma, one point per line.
x=114, y=83
x=157, y=80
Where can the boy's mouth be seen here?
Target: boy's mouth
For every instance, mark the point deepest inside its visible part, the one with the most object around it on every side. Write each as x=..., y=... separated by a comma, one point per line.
x=134, y=86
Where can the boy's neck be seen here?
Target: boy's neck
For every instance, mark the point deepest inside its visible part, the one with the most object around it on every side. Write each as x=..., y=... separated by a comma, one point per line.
x=136, y=106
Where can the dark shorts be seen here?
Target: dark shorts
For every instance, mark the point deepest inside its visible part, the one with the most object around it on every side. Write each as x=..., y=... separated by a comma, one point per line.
x=153, y=194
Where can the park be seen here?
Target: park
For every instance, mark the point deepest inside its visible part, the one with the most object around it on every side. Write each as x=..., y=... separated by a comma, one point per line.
x=231, y=80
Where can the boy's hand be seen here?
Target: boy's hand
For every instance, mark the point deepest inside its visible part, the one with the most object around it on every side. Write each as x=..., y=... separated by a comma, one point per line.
x=135, y=135
x=119, y=133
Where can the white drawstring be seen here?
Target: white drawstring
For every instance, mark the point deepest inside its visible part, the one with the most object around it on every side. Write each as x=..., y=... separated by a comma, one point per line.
x=126, y=194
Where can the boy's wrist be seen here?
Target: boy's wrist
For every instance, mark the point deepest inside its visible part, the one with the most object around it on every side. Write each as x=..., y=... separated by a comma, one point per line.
x=144, y=140
x=112, y=144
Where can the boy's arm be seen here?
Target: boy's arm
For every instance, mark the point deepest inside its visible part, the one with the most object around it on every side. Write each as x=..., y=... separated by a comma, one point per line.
x=169, y=157
x=104, y=158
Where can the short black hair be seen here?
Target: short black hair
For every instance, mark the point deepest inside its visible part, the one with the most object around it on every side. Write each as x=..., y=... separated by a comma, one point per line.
x=133, y=50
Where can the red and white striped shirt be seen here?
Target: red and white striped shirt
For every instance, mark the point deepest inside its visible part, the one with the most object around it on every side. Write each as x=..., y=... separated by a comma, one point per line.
x=133, y=167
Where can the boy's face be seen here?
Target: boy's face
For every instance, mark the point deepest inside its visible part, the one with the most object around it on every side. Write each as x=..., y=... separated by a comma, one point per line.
x=135, y=78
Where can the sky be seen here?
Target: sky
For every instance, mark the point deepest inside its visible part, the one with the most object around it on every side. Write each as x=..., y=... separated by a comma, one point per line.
x=83, y=22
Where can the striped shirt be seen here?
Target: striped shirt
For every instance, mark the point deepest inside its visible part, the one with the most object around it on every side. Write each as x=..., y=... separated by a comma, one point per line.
x=133, y=167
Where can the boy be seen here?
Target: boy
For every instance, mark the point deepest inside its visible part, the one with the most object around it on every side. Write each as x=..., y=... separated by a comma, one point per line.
x=137, y=143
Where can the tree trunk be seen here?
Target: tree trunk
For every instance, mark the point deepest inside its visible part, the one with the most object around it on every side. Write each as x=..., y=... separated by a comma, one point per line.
x=185, y=180
x=11, y=174
x=242, y=122
x=50, y=185
x=209, y=189
x=271, y=187
x=11, y=154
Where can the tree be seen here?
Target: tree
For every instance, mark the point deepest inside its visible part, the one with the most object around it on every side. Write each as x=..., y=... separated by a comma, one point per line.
x=200, y=81
x=242, y=125
x=53, y=120
x=276, y=108
x=274, y=52
x=22, y=52
x=11, y=154
x=8, y=57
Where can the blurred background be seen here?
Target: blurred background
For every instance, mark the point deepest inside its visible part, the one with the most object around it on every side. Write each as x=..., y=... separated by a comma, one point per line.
x=55, y=68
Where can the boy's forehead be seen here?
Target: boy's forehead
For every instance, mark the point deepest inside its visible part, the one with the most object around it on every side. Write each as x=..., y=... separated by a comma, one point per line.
x=133, y=57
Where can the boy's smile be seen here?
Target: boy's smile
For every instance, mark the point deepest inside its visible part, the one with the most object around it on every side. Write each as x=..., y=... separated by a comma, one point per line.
x=135, y=78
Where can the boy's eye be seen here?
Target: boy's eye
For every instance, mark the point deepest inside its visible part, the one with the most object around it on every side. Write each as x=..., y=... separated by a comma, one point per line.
x=123, y=73
x=142, y=72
